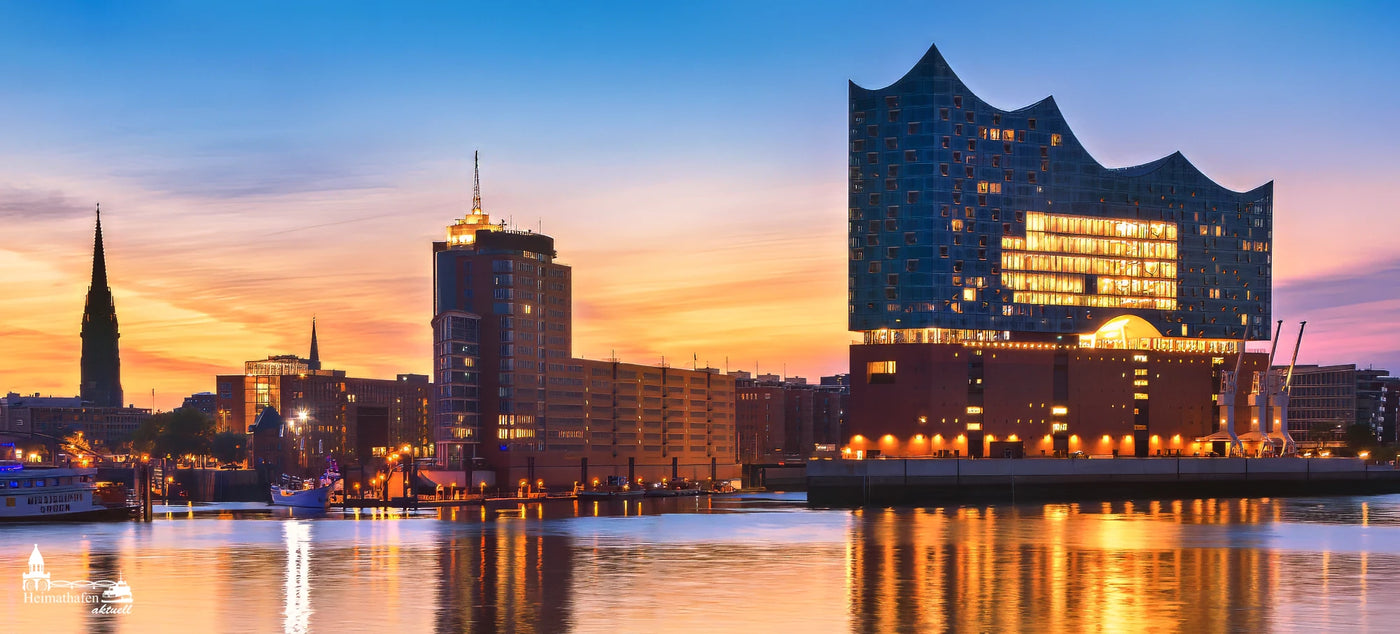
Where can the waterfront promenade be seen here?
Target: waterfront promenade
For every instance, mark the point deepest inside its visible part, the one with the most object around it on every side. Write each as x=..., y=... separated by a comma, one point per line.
x=916, y=480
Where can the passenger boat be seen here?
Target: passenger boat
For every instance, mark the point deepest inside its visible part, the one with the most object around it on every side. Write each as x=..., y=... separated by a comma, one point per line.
x=58, y=493
x=120, y=592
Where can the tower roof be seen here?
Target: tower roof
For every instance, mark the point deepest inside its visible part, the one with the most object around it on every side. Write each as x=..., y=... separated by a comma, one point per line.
x=314, y=361
x=99, y=259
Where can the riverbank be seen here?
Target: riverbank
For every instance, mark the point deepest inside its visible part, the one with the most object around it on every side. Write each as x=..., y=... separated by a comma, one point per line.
x=884, y=482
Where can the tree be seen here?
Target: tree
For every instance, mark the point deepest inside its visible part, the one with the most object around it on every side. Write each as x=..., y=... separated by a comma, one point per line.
x=228, y=446
x=174, y=434
x=1360, y=437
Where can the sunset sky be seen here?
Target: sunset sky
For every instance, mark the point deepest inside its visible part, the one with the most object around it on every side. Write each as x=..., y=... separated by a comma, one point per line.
x=259, y=164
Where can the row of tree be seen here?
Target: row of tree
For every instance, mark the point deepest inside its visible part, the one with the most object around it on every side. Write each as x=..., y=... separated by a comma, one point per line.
x=187, y=432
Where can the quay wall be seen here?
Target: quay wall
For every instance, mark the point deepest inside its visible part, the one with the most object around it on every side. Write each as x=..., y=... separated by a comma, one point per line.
x=914, y=481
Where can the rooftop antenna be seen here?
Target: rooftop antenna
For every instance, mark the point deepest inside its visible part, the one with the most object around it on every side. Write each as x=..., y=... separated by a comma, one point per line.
x=476, y=182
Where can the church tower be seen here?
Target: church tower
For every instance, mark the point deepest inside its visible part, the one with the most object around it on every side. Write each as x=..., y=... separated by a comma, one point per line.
x=101, y=365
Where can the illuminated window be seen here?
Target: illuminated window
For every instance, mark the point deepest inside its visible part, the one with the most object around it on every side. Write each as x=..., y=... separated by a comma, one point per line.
x=880, y=372
x=1055, y=139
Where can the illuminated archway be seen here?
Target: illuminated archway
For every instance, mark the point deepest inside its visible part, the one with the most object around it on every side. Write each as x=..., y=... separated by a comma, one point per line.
x=1121, y=332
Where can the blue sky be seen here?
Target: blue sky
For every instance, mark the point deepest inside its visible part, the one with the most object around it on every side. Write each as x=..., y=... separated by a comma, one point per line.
x=252, y=154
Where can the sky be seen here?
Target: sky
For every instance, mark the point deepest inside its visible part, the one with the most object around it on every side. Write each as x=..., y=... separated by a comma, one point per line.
x=259, y=164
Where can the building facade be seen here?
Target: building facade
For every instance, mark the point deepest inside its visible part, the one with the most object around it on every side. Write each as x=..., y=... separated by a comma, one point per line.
x=779, y=419
x=512, y=401
x=1327, y=399
x=330, y=414
x=999, y=275
x=106, y=428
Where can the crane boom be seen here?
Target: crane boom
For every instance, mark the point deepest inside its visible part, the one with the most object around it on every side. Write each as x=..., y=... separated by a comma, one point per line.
x=1274, y=349
x=1288, y=382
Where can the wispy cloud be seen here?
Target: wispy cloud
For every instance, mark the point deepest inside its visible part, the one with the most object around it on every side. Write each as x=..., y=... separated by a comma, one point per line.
x=21, y=203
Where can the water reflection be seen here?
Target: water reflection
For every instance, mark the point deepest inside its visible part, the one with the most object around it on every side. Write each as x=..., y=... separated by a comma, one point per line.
x=504, y=578
x=1204, y=565
x=727, y=564
x=297, y=607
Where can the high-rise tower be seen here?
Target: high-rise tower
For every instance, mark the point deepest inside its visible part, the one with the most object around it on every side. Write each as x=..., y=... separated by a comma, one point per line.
x=501, y=316
x=101, y=364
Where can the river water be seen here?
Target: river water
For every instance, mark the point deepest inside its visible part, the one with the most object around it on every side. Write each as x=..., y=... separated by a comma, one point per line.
x=762, y=563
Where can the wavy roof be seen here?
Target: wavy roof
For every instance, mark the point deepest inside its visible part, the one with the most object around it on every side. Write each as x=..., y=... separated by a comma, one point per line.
x=933, y=65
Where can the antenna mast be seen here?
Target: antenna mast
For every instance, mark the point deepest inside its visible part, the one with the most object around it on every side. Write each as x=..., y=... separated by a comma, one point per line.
x=476, y=182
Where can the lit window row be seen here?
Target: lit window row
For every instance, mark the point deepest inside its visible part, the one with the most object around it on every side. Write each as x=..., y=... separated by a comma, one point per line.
x=1160, y=344
x=1052, y=282
x=1106, y=227
x=933, y=335
x=1119, y=247
x=1096, y=301
x=1128, y=286
x=1082, y=264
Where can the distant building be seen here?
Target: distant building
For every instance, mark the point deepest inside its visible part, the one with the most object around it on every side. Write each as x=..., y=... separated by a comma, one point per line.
x=101, y=363
x=787, y=420
x=1390, y=410
x=333, y=415
x=607, y=418
x=839, y=379
x=105, y=427
x=1009, y=288
x=202, y=402
x=1327, y=399
x=512, y=400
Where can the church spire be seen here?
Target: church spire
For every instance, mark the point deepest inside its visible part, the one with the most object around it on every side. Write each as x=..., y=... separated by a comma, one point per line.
x=99, y=259
x=101, y=363
x=315, y=361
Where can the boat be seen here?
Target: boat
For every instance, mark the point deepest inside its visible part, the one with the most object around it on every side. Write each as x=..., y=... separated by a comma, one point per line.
x=302, y=498
x=603, y=494
x=58, y=493
x=306, y=494
x=120, y=592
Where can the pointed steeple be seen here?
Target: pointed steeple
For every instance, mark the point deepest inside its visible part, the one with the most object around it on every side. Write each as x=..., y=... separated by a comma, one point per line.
x=314, y=362
x=101, y=363
x=99, y=259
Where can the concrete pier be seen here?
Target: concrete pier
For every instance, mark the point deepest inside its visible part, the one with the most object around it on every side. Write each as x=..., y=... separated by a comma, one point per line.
x=916, y=481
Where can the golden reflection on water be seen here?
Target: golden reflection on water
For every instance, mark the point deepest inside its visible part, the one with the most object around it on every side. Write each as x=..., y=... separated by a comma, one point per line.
x=725, y=565
x=1120, y=566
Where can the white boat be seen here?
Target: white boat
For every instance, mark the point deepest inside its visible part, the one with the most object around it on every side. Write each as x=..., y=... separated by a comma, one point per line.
x=57, y=493
x=307, y=494
x=313, y=498
x=118, y=593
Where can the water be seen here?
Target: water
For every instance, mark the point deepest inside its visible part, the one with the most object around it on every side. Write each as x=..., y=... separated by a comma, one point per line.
x=751, y=564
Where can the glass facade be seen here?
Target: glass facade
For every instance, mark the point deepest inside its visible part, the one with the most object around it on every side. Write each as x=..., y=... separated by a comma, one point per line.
x=968, y=218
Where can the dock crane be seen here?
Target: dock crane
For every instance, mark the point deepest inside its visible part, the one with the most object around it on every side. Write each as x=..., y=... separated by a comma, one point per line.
x=1229, y=383
x=1280, y=395
x=1259, y=396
